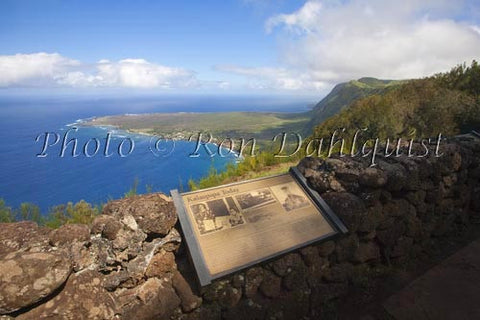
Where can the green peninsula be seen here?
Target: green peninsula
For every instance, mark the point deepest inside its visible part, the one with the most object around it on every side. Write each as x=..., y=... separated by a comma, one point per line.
x=181, y=125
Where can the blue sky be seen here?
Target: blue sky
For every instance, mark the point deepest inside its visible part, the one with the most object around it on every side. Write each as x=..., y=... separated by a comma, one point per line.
x=236, y=46
x=193, y=34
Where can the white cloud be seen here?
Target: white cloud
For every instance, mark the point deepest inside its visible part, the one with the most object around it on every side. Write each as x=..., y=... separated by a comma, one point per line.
x=304, y=18
x=326, y=42
x=24, y=68
x=132, y=73
x=321, y=43
x=476, y=29
x=46, y=69
x=275, y=78
x=224, y=85
x=387, y=39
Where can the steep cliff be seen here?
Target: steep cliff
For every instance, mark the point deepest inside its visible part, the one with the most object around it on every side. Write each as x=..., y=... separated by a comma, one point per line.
x=344, y=94
x=131, y=263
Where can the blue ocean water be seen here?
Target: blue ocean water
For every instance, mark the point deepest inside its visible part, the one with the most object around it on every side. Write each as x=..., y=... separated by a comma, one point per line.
x=51, y=180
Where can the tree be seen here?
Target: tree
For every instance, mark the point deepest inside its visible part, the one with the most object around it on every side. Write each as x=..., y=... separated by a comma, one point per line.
x=6, y=214
x=82, y=212
x=29, y=211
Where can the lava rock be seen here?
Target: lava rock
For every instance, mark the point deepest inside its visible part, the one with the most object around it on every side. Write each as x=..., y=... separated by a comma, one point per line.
x=23, y=236
x=373, y=177
x=82, y=298
x=347, y=206
x=26, y=278
x=366, y=252
x=69, y=233
x=162, y=263
x=154, y=299
x=107, y=226
x=326, y=248
x=284, y=265
x=253, y=279
x=271, y=285
x=396, y=175
x=153, y=213
x=189, y=301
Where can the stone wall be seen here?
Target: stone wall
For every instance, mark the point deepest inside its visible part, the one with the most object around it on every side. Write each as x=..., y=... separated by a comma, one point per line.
x=131, y=262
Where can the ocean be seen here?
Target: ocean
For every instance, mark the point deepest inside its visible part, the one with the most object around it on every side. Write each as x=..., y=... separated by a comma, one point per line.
x=52, y=179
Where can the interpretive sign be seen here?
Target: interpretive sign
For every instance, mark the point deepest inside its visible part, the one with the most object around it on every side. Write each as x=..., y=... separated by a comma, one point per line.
x=234, y=226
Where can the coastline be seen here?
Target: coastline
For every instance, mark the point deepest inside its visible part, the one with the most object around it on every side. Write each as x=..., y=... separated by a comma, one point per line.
x=222, y=126
x=122, y=133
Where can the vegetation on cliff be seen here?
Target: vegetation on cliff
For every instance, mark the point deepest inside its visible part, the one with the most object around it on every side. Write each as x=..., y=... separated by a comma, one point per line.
x=343, y=94
x=80, y=212
x=58, y=215
x=263, y=164
x=446, y=103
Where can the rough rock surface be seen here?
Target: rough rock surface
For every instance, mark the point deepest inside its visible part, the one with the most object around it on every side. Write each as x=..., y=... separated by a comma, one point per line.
x=130, y=263
x=154, y=299
x=151, y=212
x=112, y=270
x=82, y=298
x=26, y=278
x=22, y=236
x=69, y=233
x=189, y=300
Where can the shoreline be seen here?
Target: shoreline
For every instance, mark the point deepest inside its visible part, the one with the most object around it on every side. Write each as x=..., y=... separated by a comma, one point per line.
x=222, y=126
x=87, y=122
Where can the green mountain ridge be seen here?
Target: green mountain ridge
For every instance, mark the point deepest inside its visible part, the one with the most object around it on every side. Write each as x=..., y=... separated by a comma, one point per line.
x=344, y=94
x=446, y=103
